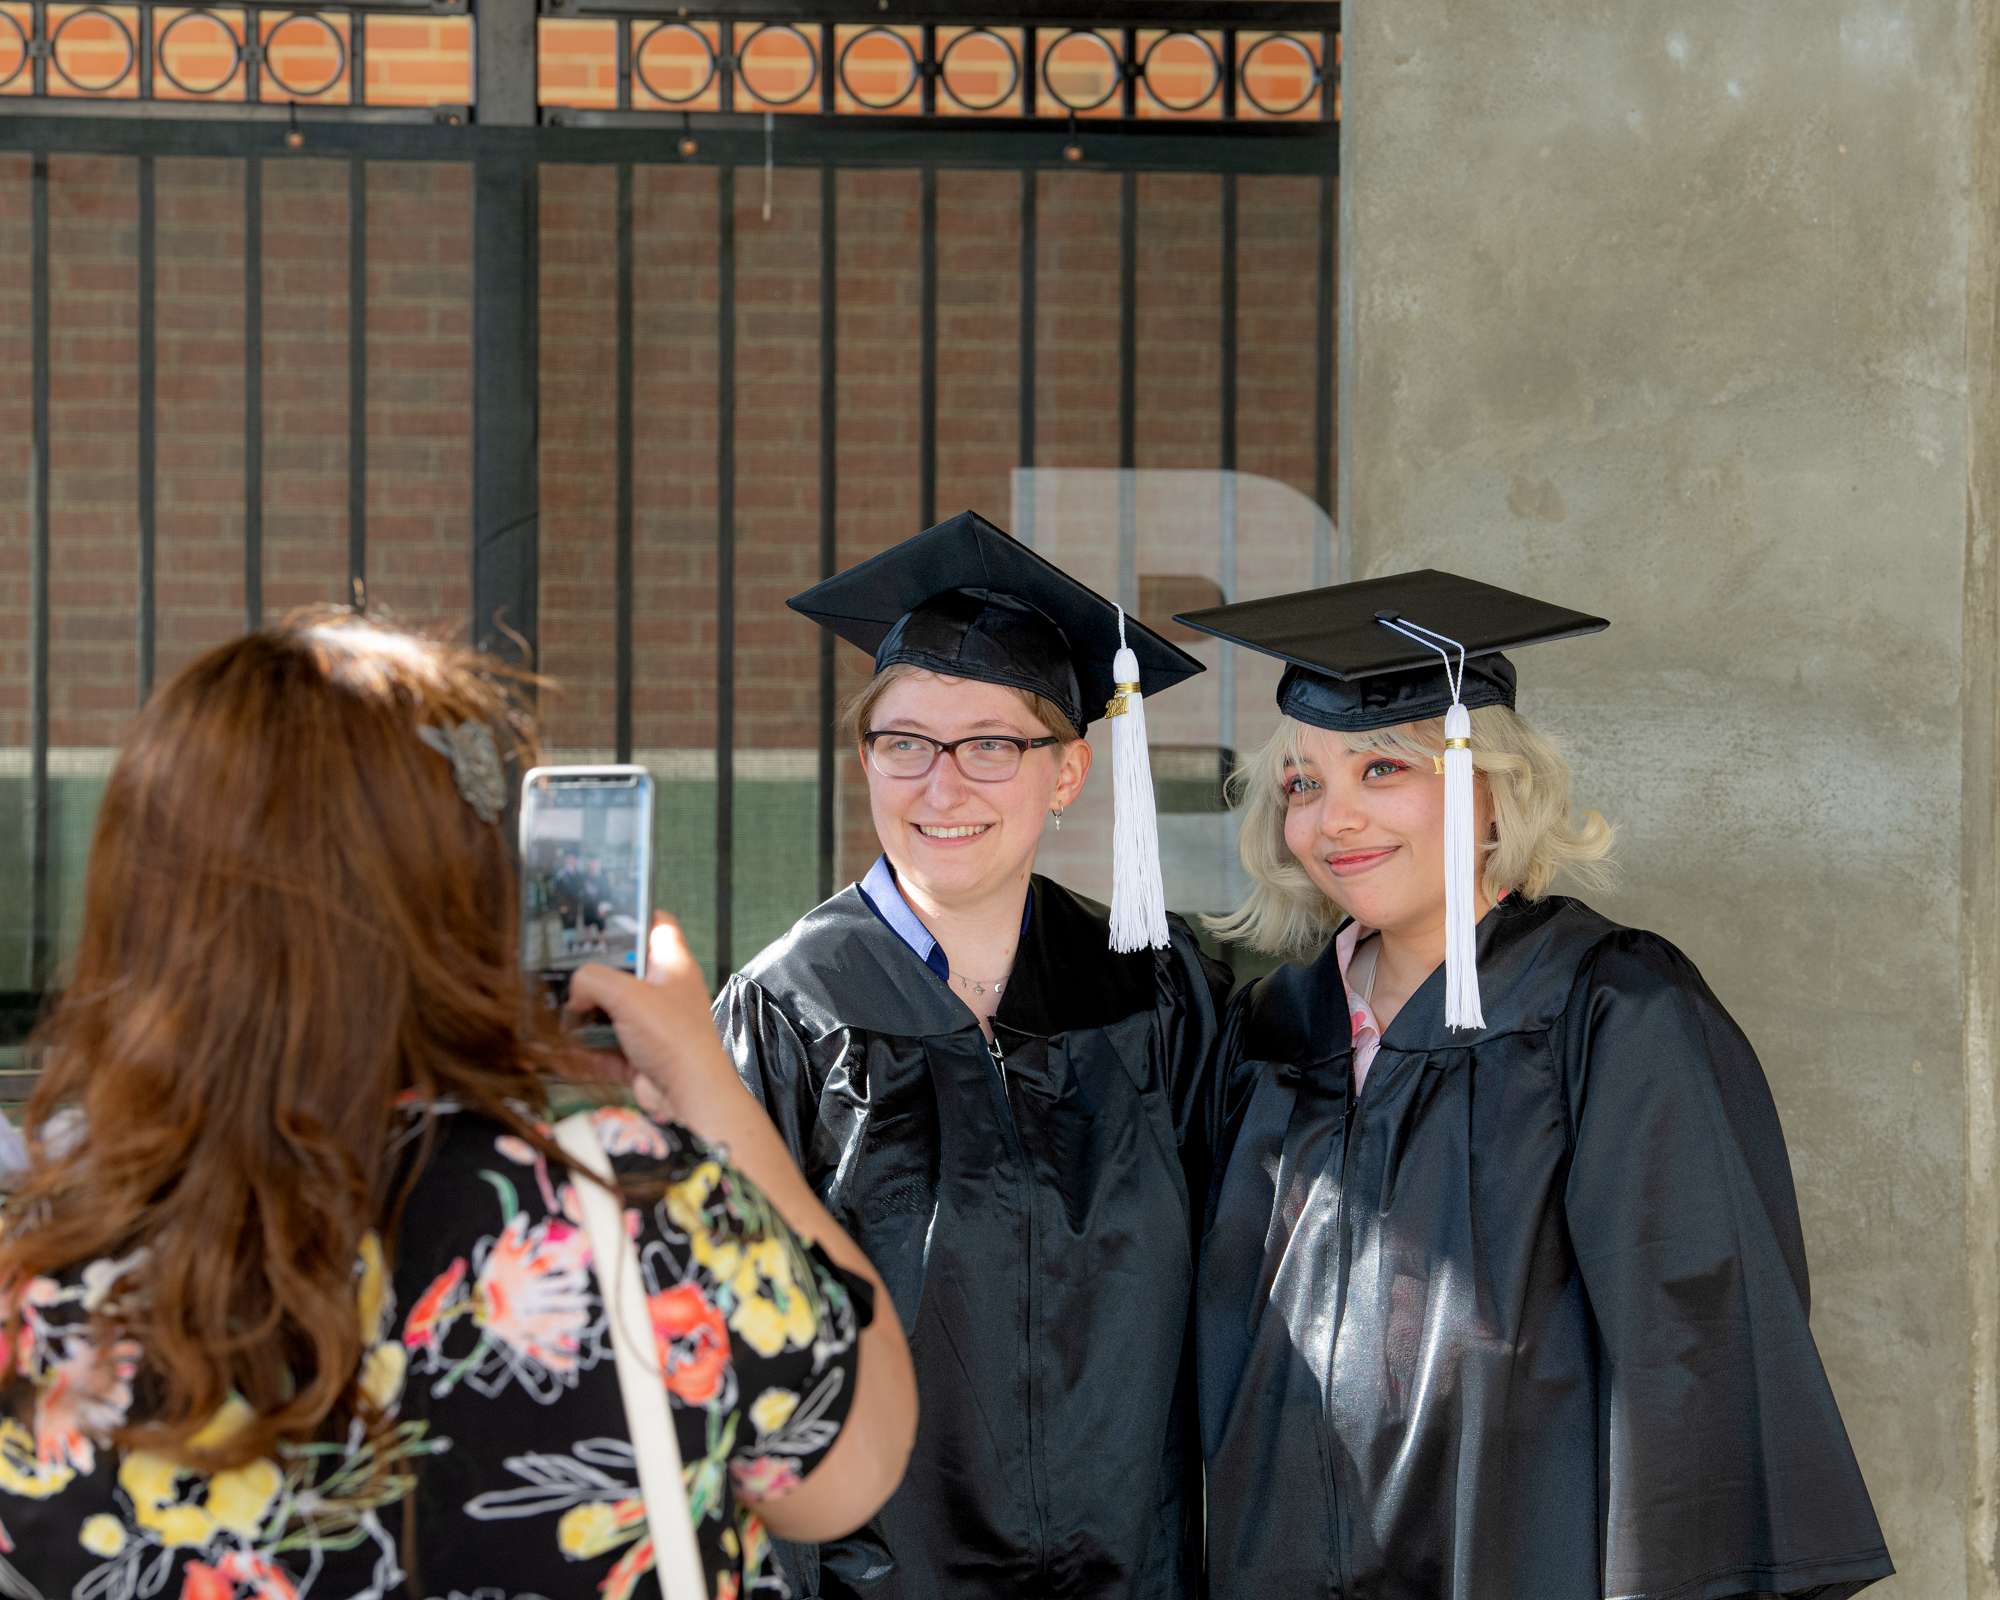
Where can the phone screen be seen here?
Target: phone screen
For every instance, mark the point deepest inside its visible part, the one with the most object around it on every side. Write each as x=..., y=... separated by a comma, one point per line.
x=586, y=870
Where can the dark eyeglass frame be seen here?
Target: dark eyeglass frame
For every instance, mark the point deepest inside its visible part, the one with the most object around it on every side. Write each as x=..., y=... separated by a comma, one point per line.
x=949, y=747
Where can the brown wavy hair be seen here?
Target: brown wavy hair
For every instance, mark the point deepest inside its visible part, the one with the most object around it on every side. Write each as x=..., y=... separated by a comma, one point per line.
x=292, y=923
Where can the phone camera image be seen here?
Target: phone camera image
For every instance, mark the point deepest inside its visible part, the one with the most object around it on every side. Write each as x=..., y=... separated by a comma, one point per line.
x=586, y=861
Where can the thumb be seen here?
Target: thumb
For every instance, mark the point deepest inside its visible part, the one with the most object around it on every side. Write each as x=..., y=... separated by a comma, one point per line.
x=667, y=953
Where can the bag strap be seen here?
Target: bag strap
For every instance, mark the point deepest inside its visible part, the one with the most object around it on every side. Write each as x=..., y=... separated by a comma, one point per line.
x=614, y=1259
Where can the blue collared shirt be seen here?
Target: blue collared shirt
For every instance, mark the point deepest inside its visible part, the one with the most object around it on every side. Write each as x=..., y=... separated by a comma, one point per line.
x=886, y=900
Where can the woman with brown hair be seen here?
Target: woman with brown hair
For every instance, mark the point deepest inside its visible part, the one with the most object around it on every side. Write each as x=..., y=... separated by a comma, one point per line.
x=308, y=1302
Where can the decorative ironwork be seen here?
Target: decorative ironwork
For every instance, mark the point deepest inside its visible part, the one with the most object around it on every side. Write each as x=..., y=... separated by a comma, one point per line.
x=1246, y=62
x=246, y=58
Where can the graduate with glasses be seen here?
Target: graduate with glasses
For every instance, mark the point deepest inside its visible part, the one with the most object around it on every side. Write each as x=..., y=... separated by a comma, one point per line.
x=1002, y=1107
x=1503, y=1294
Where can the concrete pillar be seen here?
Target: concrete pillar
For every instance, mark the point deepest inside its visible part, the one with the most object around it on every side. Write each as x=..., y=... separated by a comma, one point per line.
x=1664, y=314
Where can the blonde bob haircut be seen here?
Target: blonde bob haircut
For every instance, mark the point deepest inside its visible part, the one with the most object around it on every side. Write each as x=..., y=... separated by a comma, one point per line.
x=857, y=713
x=1536, y=839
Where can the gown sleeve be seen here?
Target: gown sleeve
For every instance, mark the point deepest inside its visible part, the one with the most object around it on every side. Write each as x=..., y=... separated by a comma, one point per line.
x=770, y=1058
x=1727, y=1472
x=1195, y=1014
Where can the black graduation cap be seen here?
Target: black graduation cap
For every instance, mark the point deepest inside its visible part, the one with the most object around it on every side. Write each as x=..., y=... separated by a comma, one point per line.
x=966, y=600
x=1349, y=669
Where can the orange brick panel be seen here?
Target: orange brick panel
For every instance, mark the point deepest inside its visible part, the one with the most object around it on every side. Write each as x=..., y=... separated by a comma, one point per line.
x=97, y=48
x=200, y=49
x=1183, y=75
x=419, y=61
x=1077, y=67
x=1278, y=71
x=671, y=66
x=978, y=73
x=880, y=75
x=306, y=58
x=198, y=417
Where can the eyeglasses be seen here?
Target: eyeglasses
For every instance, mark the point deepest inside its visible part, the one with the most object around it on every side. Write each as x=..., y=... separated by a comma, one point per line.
x=984, y=758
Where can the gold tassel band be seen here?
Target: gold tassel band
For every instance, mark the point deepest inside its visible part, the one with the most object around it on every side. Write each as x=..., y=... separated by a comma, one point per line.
x=1116, y=706
x=1437, y=762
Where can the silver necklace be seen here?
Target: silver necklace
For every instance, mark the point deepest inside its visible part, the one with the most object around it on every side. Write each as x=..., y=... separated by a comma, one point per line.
x=981, y=986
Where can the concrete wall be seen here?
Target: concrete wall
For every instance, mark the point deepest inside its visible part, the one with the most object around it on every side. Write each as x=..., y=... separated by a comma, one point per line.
x=1663, y=313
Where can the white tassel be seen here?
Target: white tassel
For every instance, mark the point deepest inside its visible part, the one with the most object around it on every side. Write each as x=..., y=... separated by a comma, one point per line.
x=1138, y=897
x=1461, y=865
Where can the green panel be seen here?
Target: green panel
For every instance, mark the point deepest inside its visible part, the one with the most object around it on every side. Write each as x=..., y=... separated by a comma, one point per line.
x=775, y=866
x=73, y=804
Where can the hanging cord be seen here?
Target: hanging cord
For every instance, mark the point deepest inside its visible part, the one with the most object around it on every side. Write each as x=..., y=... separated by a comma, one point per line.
x=1461, y=857
x=770, y=125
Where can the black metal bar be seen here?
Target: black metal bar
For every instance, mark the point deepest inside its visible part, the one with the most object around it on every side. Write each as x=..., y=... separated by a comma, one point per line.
x=624, y=528
x=357, y=59
x=1292, y=15
x=829, y=79
x=1031, y=72
x=725, y=567
x=1030, y=227
x=1228, y=396
x=927, y=344
x=1323, y=355
x=505, y=90
x=1128, y=319
x=625, y=25
x=39, y=76
x=829, y=493
x=253, y=392
x=608, y=137
x=1128, y=66
x=1229, y=71
x=144, y=62
x=505, y=485
x=1329, y=74
x=357, y=379
x=725, y=66
x=39, y=899
x=931, y=71
x=148, y=455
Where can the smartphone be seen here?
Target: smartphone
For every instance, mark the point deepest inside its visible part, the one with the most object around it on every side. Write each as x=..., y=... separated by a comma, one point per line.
x=586, y=871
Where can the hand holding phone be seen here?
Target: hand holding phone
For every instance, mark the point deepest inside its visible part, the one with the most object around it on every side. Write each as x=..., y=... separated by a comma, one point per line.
x=680, y=1071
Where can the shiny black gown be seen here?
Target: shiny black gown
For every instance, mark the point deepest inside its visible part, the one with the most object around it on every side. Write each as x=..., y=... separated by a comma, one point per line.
x=1037, y=1237
x=1527, y=1321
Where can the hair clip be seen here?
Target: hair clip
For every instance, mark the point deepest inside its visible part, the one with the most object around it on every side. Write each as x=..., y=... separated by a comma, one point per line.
x=475, y=765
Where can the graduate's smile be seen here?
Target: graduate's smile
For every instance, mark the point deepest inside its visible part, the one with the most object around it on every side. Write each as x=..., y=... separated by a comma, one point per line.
x=950, y=834
x=1351, y=863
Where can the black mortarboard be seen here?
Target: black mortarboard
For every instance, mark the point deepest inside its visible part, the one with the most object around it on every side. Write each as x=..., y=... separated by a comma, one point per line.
x=1348, y=671
x=1404, y=649
x=966, y=600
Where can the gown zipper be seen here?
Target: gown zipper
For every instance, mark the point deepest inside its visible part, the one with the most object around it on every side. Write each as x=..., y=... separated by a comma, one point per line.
x=1028, y=1306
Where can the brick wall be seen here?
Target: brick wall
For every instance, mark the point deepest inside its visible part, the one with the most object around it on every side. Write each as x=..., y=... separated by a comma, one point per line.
x=419, y=359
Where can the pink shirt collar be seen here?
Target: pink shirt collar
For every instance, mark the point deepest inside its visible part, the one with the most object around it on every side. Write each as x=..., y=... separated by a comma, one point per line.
x=1360, y=1015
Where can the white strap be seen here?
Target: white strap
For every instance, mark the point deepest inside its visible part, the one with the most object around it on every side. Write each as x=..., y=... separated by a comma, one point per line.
x=615, y=1261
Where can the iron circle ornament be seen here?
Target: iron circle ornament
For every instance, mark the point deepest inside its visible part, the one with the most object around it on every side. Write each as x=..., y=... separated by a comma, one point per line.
x=1305, y=55
x=300, y=91
x=20, y=34
x=913, y=66
x=163, y=56
x=653, y=89
x=743, y=65
x=1013, y=71
x=124, y=33
x=1110, y=57
x=1214, y=72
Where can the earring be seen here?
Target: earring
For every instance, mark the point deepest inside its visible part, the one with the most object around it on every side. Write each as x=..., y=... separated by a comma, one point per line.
x=1057, y=814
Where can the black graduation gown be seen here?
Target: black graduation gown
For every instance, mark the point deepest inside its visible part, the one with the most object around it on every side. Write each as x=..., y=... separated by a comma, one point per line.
x=1529, y=1318
x=1037, y=1239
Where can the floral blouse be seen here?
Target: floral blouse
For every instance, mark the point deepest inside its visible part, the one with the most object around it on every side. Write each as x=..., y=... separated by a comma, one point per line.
x=487, y=1345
